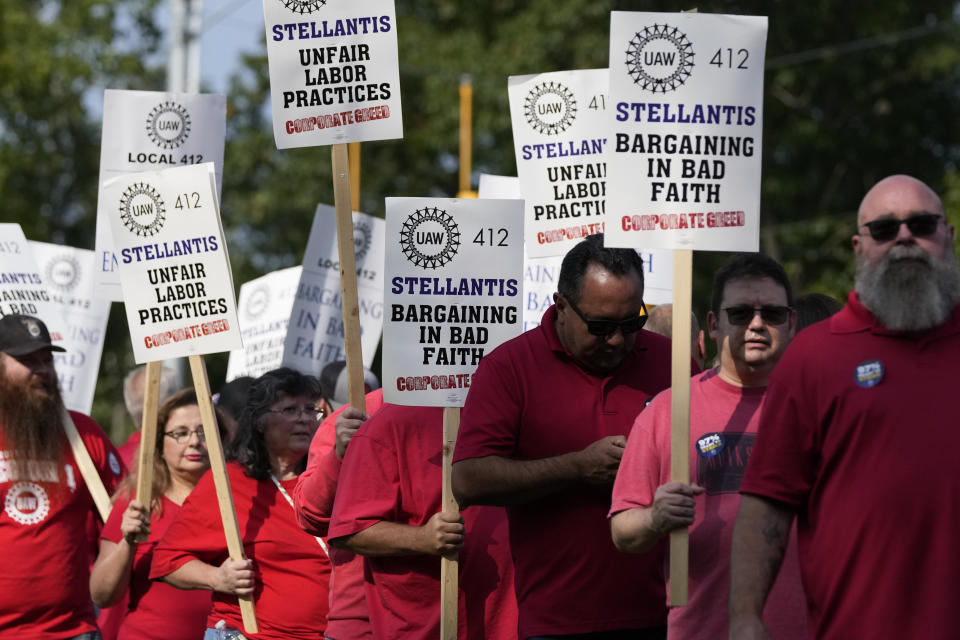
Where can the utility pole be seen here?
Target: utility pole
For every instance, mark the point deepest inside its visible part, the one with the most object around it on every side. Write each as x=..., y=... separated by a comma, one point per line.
x=183, y=65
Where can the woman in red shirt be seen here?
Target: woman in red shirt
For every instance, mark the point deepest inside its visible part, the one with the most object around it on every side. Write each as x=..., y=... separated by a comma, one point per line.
x=123, y=565
x=287, y=571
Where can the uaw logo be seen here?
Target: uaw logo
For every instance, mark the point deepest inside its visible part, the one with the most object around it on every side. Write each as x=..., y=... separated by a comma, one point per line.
x=63, y=272
x=168, y=125
x=142, y=210
x=27, y=503
x=659, y=58
x=362, y=236
x=430, y=238
x=303, y=6
x=550, y=108
x=258, y=302
x=33, y=328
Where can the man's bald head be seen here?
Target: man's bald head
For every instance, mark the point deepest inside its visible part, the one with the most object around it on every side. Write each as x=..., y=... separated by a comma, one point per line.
x=898, y=193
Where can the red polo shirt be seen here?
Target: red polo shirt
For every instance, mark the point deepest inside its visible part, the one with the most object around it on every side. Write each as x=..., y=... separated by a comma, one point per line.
x=859, y=434
x=529, y=399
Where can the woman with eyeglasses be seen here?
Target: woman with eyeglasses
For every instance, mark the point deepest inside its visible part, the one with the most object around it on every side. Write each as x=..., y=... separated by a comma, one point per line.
x=123, y=564
x=287, y=571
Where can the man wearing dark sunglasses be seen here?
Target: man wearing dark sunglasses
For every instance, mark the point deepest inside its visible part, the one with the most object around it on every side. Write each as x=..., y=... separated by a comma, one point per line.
x=858, y=438
x=752, y=321
x=543, y=431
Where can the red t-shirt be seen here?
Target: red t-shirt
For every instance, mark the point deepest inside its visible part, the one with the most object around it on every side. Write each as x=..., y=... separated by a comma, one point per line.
x=316, y=489
x=45, y=572
x=392, y=472
x=129, y=448
x=528, y=400
x=858, y=434
x=291, y=569
x=723, y=426
x=150, y=602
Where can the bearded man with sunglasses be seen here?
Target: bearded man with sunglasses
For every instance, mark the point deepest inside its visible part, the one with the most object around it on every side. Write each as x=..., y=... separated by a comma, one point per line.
x=542, y=433
x=752, y=321
x=858, y=438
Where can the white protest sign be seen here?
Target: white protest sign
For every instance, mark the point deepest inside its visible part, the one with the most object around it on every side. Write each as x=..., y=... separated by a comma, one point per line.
x=150, y=131
x=315, y=335
x=22, y=289
x=686, y=109
x=559, y=137
x=264, y=309
x=540, y=275
x=174, y=267
x=68, y=274
x=453, y=294
x=334, y=71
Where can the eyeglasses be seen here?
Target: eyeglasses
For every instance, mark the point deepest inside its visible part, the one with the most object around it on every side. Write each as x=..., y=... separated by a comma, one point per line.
x=292, y=413
x=183, y=435
x=743, y=314
x=604, y=328
x=886, y=229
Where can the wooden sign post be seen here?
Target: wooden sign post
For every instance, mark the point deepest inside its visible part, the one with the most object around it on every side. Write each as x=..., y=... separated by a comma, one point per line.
x=148, y=438
x=87, y=469
x=449, y=567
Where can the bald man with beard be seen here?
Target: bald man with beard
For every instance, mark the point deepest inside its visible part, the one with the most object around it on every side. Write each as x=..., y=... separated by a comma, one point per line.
x=45, y=569
x=857, y=441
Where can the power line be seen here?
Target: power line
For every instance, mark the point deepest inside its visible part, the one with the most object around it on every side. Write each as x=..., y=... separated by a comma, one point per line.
x=222, y=14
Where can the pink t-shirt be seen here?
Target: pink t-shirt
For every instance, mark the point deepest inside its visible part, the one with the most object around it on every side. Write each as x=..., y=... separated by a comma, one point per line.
x=313, y=496
x=723, y=426
x=392, y=472
x=150, y=603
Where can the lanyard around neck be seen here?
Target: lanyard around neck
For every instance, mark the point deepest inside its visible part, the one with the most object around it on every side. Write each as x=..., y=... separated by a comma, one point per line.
x=323, y=545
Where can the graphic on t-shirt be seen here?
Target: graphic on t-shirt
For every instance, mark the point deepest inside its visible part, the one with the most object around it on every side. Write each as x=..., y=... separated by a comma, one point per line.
x=27, y=503
x=721, y=471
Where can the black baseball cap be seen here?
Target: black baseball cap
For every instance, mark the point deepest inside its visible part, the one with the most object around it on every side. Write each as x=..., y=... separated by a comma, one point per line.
x=21, y=335
x=333, y=383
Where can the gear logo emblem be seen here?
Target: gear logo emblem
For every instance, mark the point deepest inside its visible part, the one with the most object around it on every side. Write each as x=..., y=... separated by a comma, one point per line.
x=258, y=302
x=63, y=272
x=303, y=6
x=659, y=58
x=550, y=108
x=27, y=503
x=142, y=210
x=168, y=125
x=430, y=238
x=361, y=239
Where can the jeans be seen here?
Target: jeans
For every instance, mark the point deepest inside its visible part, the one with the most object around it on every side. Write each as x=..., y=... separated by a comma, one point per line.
x=222, y=634
x=89, y=635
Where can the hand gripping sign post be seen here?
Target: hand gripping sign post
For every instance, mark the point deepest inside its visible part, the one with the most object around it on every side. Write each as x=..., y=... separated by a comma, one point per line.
x=560, y=139
x=686, y=93
x=178, y=293
x=150, y=131
x=22, y=291
x=316, y=333
x=453, y=295
x=335, y=79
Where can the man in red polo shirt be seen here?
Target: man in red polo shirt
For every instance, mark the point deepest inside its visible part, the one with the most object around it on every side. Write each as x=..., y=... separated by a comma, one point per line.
x=857, y=438
x=543, y=431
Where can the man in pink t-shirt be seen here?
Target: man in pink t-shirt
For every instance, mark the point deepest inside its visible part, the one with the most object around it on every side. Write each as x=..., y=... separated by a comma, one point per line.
x=752, y=322
x=858, y=440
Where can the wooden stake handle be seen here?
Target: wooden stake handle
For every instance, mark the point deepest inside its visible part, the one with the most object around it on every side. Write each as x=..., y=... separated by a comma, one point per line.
x=449, y=582
x=680, y=416
x=88, y=470
x=221, y=481
x=348, y=277
x=148, y=438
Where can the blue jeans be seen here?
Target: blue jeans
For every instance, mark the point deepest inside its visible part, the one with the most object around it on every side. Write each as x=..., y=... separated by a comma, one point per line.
x=89, y=635
x=222, y=634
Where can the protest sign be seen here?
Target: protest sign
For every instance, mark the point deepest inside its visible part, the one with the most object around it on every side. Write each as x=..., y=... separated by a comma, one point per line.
x=453, y=293
x=68, y=274
x=540, y=275
x=150, y=131
x=334, y=72
x=686, y=98
x=560, y=138
x=264, y=308
x=315, y=335
x=174, y=267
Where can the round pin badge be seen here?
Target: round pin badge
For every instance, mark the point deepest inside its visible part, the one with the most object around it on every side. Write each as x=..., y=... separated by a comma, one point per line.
x=868, y=374
x=710, y=445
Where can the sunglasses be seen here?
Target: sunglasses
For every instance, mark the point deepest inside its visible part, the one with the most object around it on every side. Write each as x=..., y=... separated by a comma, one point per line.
x=605, y=328
x=743, y=314
x=886, y=229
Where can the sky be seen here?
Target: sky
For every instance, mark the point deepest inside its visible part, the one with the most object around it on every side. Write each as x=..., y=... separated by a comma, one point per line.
x=230, y=28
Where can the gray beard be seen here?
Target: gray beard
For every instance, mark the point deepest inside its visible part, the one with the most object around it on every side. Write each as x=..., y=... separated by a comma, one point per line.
x=908, y=290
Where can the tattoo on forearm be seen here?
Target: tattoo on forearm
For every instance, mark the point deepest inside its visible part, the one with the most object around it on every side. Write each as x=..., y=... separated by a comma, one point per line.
x=773, y=534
